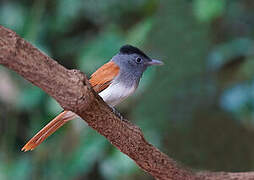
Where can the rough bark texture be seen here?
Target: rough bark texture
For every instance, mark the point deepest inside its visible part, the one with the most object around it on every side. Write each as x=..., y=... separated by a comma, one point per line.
x=226, y=176
x=71, y=89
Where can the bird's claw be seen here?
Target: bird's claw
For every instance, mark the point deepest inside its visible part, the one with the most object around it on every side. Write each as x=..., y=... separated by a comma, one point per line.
x=117, y=113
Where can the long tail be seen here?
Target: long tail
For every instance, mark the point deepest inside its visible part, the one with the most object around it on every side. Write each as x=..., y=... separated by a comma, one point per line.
x=49, y=129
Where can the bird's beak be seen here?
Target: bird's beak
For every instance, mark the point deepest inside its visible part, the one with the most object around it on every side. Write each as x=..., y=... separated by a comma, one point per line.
x=154, y=62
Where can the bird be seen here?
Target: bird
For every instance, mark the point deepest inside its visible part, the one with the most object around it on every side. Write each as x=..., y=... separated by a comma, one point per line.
x=114, y=82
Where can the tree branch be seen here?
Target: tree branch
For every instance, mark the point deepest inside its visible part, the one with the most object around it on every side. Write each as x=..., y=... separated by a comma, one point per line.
x=71, y=89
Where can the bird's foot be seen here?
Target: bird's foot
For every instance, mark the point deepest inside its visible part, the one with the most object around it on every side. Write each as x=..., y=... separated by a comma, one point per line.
x=117, y=113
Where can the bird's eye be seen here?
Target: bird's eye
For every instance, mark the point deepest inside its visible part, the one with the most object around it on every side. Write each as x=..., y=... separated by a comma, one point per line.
x=138, y=60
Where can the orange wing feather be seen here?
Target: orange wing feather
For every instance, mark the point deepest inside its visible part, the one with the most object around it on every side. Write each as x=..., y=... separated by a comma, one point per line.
x=102, y=78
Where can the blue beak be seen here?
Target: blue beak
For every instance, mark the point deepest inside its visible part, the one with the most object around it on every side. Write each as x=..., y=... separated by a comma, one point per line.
x=154, y=62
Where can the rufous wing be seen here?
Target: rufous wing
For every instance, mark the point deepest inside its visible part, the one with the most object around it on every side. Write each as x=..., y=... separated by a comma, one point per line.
x=102, y=78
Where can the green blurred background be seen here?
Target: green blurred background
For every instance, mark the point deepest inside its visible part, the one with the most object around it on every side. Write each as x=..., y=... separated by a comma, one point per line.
x=198, y=108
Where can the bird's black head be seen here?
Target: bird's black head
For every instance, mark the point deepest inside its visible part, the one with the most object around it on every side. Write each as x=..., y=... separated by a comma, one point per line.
x=132, y=60
x=128, y=49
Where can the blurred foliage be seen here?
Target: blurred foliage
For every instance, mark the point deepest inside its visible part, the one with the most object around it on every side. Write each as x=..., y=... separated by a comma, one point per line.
x=198, y=107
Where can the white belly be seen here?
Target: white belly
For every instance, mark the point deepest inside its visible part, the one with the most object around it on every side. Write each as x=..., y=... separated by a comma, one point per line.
x=116, y=93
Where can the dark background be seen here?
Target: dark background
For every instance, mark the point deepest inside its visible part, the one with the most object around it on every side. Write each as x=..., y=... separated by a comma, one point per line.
x=198, y=108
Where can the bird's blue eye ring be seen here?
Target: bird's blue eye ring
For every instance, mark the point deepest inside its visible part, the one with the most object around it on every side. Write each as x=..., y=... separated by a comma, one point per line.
x=138, y=60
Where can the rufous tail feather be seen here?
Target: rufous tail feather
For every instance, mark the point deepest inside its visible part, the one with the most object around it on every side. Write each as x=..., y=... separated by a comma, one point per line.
x=49, y=129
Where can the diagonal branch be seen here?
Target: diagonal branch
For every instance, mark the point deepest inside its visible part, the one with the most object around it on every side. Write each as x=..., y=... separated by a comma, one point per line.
x=71, y=89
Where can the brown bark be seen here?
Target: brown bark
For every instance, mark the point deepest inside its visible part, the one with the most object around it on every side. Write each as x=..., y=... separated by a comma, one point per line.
x=226, y=176
x=71, y=89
